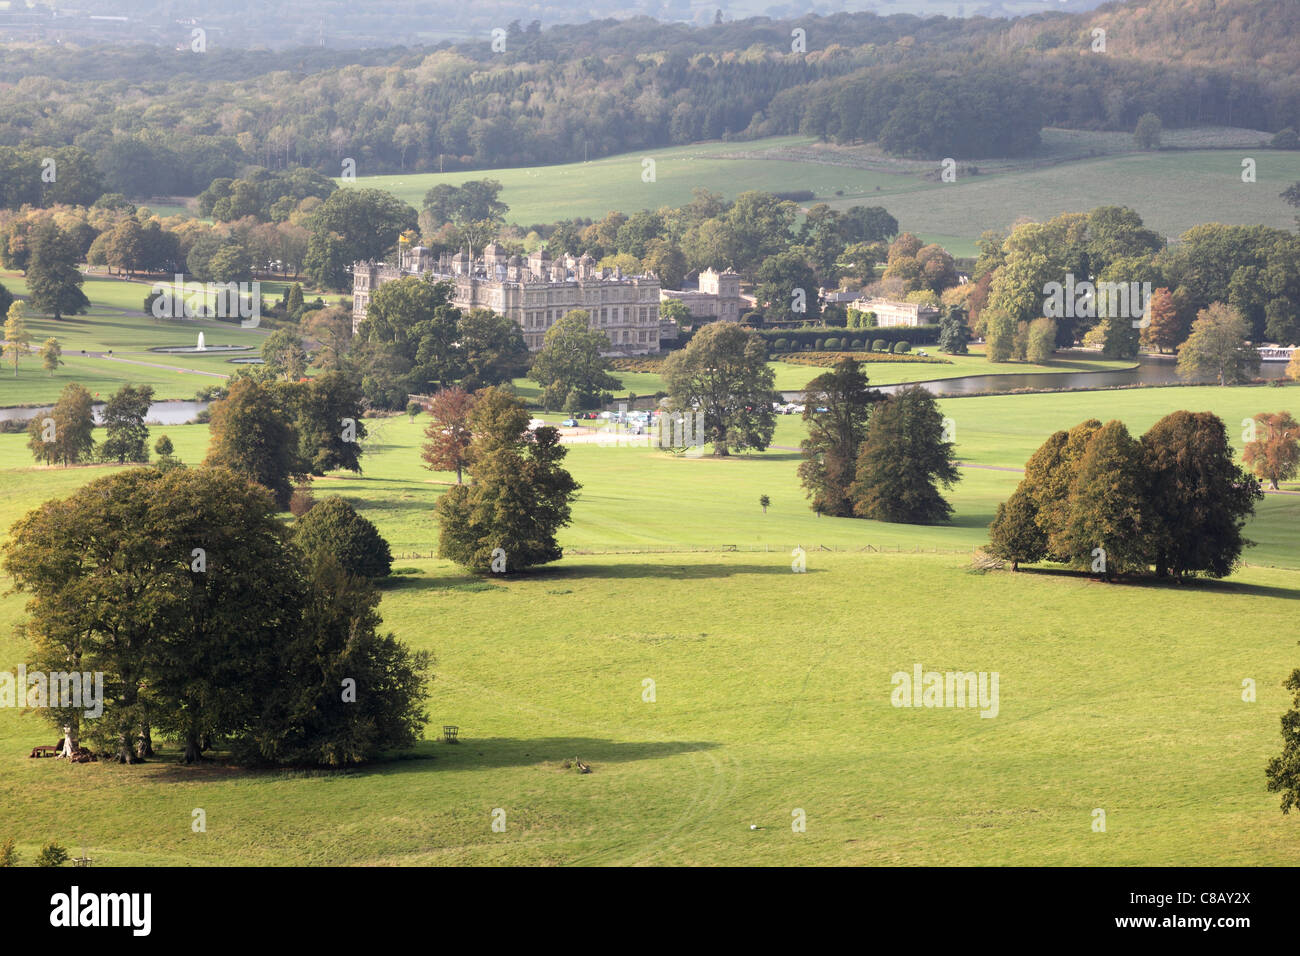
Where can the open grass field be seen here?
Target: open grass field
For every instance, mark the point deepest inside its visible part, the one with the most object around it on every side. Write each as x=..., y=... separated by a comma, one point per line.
x=772, y=689
x=1172, y=189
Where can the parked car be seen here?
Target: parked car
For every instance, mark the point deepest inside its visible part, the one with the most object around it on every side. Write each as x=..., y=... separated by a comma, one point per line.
x=569, y=423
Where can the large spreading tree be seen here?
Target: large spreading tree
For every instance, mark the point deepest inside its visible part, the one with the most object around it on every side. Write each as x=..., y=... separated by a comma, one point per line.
x=180, y=584
x=1196, y=499
x=1176, y=500
x=723, y=374
x=409, y=342
x=572, y=360
x=53, y=280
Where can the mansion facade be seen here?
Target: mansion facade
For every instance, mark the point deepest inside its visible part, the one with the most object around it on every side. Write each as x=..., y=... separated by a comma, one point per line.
x=716, y=298
x=890, y=313
x=535, y=292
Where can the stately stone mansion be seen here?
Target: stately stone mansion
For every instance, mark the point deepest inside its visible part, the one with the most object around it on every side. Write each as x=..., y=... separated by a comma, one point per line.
x=535, y=292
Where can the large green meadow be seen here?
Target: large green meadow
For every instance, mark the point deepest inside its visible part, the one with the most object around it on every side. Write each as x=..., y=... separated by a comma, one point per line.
x=771, y=689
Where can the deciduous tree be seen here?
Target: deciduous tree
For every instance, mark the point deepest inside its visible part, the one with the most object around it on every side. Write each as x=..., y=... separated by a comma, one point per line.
x=723, y=374
x=447, y=436
x=572, y=356
x=124, y=417
x=1218, y=347
x=1274, y=455
x=252, y=433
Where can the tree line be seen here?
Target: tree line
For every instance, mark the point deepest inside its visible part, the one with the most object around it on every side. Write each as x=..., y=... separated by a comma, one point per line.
x=932, y=87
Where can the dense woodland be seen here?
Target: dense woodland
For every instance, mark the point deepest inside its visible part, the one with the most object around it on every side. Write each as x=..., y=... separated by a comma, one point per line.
x=920, y=87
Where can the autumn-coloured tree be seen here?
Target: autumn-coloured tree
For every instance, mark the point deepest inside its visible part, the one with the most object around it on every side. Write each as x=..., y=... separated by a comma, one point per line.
x=448, y=432
x=1274, y=455
x=16, y=336
x=1164, y=330
x=51, y=355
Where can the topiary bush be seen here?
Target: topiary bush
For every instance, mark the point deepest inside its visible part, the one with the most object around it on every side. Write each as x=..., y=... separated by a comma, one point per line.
x=902, y=348
x=856, y=345
x=334, y=527
x=780, y=345
x=832, y=344
x=880, y=345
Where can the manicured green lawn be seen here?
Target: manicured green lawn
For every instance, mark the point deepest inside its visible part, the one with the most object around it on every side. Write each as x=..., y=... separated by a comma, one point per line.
x=115, y=323
x=772, y=689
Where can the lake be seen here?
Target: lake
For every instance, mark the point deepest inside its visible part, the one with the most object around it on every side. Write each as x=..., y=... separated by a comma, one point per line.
x=1150, y=371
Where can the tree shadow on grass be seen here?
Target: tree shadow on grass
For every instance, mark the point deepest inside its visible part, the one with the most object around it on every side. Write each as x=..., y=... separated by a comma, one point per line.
x=574, y=568
x=469, y=753
x=432, y=756
x=1202, y=585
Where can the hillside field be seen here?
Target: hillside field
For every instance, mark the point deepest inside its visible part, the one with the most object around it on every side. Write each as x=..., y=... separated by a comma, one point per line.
x=1172, y=189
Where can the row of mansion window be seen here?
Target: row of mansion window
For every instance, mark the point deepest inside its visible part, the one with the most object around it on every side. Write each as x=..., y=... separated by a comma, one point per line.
x=545, y=318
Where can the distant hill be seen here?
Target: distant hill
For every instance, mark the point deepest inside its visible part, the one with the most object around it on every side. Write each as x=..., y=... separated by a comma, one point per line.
x=355, y=24
x=1253, y=34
